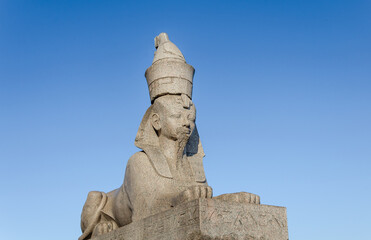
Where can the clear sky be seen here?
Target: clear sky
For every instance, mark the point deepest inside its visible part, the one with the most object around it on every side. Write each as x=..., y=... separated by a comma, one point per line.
x=282, y=91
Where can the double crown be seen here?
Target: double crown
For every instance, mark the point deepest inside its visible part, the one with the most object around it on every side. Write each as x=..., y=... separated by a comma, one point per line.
x=169, y=72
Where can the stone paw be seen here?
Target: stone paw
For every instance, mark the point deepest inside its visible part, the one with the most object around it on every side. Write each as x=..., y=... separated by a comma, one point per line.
x=240, y=197
x=194, y=192
x=104, y=227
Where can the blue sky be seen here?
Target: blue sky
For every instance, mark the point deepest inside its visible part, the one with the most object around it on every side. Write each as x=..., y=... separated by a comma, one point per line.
x=282, y=91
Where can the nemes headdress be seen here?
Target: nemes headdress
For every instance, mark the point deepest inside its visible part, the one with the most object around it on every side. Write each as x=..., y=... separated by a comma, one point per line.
x=169, y=72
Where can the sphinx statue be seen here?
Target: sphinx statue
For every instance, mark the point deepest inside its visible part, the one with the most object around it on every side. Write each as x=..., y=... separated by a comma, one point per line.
x=168, y=170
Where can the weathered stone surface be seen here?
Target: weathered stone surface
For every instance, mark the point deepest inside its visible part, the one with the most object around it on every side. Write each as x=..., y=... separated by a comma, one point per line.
x=168, y=173
x=208, y=219
x=169, y=72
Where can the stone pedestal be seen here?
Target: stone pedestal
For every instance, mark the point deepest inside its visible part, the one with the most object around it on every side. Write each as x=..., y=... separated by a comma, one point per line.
x=208, y=219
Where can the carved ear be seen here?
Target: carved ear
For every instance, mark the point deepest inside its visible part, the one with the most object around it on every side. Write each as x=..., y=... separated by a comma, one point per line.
x=155, y=120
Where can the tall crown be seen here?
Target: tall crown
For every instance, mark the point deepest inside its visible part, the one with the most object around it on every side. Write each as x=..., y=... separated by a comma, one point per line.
x=169, y=72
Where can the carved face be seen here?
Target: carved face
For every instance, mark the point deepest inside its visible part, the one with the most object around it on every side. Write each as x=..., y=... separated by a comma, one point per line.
x=174, y=116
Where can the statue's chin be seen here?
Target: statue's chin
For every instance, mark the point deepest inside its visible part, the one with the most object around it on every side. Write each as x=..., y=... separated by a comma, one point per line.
x=182, y=142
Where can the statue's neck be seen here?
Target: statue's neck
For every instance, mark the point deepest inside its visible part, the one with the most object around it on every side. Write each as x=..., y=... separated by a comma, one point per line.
x=172, y=149
x=178, y=164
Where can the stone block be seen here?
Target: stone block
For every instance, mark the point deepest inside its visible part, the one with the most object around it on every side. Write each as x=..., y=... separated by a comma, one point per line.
x=208, y=219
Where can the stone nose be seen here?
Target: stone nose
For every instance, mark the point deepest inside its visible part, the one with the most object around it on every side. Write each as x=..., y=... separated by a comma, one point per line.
x=186, y=122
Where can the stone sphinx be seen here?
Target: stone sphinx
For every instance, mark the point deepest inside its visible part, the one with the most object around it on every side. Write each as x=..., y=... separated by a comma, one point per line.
x=168, y=171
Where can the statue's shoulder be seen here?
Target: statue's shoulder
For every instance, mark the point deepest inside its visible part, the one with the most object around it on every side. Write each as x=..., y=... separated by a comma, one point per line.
x=150, y=162
x=139, y=161
x=139, y=156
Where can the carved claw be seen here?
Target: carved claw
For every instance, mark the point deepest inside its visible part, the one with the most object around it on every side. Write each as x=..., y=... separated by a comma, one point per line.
x=240, y=197
x=192, y=193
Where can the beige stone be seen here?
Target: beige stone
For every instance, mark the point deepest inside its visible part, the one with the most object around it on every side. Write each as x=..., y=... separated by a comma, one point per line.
x=169, y=73
x=168, y=171
x=208, y=219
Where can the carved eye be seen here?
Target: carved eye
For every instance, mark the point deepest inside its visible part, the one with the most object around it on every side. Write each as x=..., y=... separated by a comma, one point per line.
x=191, y=117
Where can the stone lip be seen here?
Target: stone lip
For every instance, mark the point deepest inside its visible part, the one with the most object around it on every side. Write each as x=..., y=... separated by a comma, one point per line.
x=208, y=219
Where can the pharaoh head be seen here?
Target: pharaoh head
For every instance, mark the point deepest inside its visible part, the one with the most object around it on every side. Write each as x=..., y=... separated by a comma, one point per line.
x=173, y=117
x=172, y=113
x=169, y=78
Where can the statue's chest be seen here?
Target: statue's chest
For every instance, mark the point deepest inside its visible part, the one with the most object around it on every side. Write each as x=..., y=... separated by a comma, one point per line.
x=181, y=180
x=182, y=171
x=175, y=186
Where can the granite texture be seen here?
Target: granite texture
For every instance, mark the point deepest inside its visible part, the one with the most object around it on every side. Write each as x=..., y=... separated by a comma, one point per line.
x=208, y=219
x=168, y=171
